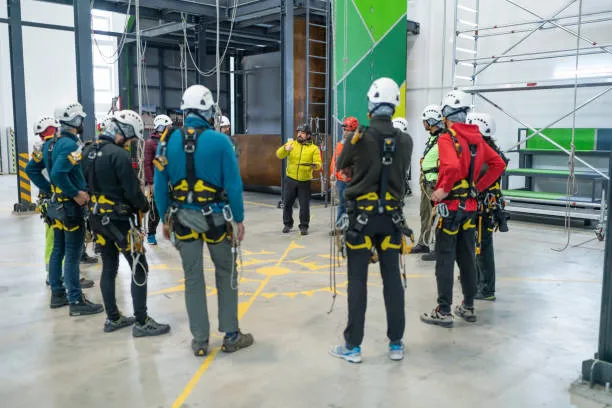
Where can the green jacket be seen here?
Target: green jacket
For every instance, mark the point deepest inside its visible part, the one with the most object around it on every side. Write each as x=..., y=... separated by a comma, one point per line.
x=430, y=160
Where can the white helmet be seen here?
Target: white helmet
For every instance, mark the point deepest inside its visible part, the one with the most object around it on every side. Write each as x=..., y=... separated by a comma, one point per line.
x=384, y=91
x=43, y=123
x=161, y=121
x=401, y=124
x=132, y=119
x=225, y=121
x=197, y=97
x=484, y=121
x=432, y=114
x=66, y=114
x=455, y=101
x=105, y=122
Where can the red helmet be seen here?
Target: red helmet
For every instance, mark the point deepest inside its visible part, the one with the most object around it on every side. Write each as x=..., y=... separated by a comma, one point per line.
x=350, y=123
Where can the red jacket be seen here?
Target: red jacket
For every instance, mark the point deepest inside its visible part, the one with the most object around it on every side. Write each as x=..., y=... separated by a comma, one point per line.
x=149, y=155
x=454, y=168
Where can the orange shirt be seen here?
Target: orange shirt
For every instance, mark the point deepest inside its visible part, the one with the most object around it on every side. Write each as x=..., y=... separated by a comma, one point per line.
x=340, y=175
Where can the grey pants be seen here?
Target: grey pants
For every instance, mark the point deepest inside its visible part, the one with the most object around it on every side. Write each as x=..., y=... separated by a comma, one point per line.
x=195, y=288
x=425, y=212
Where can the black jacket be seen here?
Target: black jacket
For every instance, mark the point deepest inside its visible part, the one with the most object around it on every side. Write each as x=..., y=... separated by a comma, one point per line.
x=113, y=175
x=365, y=160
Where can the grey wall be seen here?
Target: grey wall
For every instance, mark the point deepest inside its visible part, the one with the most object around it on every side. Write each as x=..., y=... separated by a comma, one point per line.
x=263, y=93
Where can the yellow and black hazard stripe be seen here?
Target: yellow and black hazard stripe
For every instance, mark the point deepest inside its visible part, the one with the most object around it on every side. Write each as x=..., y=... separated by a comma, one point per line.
x=25, y=188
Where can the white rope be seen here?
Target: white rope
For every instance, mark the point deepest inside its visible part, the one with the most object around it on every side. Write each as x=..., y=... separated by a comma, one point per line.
x=114, y=57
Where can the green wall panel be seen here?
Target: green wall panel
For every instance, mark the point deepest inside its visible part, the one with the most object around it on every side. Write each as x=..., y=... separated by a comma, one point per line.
x=358, y=39
x=380, y=15
x=393, y=49
x=584, y=139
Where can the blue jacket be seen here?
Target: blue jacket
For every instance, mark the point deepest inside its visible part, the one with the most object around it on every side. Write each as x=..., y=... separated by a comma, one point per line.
x=64, y=170
x=215, y=163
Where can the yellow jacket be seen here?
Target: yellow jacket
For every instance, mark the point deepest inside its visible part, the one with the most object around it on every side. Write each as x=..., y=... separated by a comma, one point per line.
x=301, y=159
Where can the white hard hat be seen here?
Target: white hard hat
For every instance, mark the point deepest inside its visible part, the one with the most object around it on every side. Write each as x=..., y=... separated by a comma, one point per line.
x=454, y=101
x=432, y=114
x=161, y=121
x=130, y=118
x=225, y=121
x=43, y=123
x=67, y=113
x=401, y=124
x=105, y=122
x=484, y=121
x=197, y=97
x=384, y=91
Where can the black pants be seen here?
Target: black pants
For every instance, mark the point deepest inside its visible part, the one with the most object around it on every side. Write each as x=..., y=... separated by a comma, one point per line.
x=110, y=266
x=296, y=189
x=456, y=241
x=382, y=234
x=153, y=219
x=486, y=259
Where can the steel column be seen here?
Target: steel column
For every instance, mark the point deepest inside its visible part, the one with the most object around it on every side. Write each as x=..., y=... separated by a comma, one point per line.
x=162, y=80
x=599, y=369
x=287, y=59
x=24, y=195
x=84, y=64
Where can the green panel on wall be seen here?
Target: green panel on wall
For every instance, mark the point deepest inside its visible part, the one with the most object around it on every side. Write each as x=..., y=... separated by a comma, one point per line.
x=584, y=139
x=358, y=40
x=357, y=84
x=390, y=55
x=380, y=15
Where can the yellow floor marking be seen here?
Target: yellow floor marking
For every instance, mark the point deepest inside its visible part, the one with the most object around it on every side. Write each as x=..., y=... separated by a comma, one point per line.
x=243, y=307
x=260, y=204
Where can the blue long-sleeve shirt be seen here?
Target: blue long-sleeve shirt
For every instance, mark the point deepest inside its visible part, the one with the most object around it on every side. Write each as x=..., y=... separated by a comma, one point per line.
x=215, y=162
x=64, y=170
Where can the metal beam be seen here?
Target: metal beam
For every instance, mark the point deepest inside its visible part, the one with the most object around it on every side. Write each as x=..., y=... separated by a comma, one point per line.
x=256, y=9
x=84, y=65
x=195, y=8
x=20, y=124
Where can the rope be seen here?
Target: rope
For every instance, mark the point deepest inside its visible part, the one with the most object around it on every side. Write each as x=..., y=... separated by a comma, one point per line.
x=570, y=187
x=114, y=57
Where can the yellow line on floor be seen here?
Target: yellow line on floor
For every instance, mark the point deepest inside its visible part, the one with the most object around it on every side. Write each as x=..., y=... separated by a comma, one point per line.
x=260, y=204
x=241, y=312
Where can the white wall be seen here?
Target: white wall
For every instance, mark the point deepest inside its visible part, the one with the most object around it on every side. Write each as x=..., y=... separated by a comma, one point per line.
x=536, y=108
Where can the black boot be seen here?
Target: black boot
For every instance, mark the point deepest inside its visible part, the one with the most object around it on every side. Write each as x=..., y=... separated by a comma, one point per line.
x=86, y=259
x=84, y=307
x=58, y=299
x=86, y=283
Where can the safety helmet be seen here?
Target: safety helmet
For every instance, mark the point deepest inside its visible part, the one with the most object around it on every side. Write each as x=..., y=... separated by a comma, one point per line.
x=384, y=91
x=105, y=122
x=401, y=124
x=161, y=122
x=198, y=98
x=225, y=121
x=68, y=113
x=45, y=122
x=351, y=123
x=304, y=128
x=484, y=121
x=455, y=101
x=432, y=114
x=127, y=119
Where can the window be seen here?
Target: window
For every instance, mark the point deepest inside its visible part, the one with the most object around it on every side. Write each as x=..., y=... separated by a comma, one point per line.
x=105, y=66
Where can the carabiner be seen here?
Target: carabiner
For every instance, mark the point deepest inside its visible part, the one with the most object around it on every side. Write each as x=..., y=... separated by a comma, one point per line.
x=227, y=213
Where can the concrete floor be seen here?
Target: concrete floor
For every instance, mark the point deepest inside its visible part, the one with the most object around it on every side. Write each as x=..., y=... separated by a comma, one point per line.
x=525, y=350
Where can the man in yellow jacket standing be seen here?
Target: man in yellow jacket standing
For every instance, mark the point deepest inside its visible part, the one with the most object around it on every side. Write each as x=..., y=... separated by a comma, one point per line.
x=303, y=156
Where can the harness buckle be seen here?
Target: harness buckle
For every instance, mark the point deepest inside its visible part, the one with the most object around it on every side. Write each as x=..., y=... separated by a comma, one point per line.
x=343, y=223
x=396, y=218
x=387, y=160
x=362, y=219
x=442, y=210
x=189, y=147
x=207, y=210
x=92, y=155
x=105, y=220
x=190, y=197
x=227, y=213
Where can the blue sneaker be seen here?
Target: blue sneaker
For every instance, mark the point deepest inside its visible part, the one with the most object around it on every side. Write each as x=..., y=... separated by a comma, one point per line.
x=351, y=355
x=151, y=239
x=396, y=351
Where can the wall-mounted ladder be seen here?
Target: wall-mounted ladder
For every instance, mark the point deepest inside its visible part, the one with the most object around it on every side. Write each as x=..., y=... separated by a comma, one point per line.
x=465, y=42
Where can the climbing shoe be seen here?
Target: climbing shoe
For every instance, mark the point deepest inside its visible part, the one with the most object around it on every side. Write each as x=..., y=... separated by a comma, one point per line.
x=86, y=259
x=236, y=341
x=466, y=313
x=480, y=296
x=84, y=307
x=120, y=323
x=86, y=283
x=150, y=328
x=303, y=231
x=420, y=249
x=286, y=230
x=58, y=299
x=396, y=351
x=352, y=355
x=437, y=318
x=200, y=348
x=151, y=239
x=429, y=257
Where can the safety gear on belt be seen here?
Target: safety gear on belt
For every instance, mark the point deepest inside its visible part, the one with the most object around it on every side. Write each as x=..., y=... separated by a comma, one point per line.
x=161, y=122
x=484, y=121
x=351, y=123
x=432, y=114
x=45, y=122
x=401, y=124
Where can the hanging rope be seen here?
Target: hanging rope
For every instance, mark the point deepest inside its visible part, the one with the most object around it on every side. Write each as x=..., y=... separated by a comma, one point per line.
x=570, y=187
x=114, y=57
